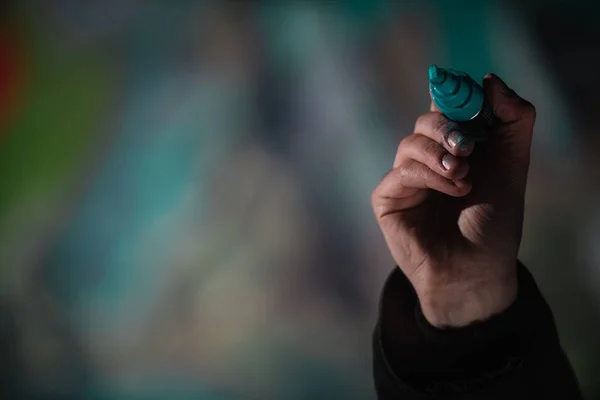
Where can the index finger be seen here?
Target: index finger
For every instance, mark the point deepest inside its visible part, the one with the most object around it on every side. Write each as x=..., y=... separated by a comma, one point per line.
x=432, y=106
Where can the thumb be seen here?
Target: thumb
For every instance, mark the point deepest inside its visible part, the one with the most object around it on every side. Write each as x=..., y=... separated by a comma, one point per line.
x=515, y=117
x=514, y=114
x=508, y=106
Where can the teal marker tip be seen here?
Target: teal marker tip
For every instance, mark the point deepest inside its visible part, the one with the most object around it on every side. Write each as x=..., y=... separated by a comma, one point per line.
x=436, y=74
x=455, y=93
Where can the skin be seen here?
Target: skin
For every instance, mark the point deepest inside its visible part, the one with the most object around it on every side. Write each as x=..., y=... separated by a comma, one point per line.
x=452, y=214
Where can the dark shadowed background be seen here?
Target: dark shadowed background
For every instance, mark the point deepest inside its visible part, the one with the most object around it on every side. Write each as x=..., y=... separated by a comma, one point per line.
x=184, y=185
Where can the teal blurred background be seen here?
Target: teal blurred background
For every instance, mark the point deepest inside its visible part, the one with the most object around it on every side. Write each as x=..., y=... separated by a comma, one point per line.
x=184, y=186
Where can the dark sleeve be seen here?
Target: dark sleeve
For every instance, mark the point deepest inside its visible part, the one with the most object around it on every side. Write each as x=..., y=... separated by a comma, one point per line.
x=513, y=355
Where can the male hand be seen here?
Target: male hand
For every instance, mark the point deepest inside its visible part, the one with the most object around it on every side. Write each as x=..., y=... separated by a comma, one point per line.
x=452, y=212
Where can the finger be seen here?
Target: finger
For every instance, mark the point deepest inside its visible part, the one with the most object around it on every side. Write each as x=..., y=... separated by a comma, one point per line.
x=516, y=117
x=437, y=127
x=423, y=149
x=432, y=106
x=508, y=106
x=406, y=185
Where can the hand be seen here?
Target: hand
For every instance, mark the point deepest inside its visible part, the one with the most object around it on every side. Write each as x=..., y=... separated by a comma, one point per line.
x=453, y=224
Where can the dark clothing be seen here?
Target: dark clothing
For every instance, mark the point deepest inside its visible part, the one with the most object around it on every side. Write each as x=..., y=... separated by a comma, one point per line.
x=513, y=355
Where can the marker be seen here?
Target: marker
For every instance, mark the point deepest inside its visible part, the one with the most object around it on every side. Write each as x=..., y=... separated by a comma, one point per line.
x=462, y=100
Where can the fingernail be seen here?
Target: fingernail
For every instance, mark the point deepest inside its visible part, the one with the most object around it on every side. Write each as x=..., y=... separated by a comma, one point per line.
x=466, y=146
x=456, y=139
x=447, y=161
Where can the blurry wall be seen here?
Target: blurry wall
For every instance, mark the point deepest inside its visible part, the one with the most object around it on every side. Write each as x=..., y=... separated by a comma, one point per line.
x=184, y=186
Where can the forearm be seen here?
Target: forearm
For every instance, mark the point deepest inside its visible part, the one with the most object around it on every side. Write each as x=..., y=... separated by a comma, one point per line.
x=515, y=354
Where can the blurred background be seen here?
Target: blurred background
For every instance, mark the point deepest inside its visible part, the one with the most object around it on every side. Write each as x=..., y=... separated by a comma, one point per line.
x=184, y=185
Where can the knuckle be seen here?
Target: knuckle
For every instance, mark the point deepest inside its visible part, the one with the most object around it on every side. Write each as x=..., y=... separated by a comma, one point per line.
x=377, y=200
x=406, y=140
x=404, y=143
x=403, y=147
x=380, y=208
x=375, y=194
x=403, y=151
x=421, y=122
x=426, y=122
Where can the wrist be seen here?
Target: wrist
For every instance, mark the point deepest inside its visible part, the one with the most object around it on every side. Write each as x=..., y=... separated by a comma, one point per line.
x=460, y=305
